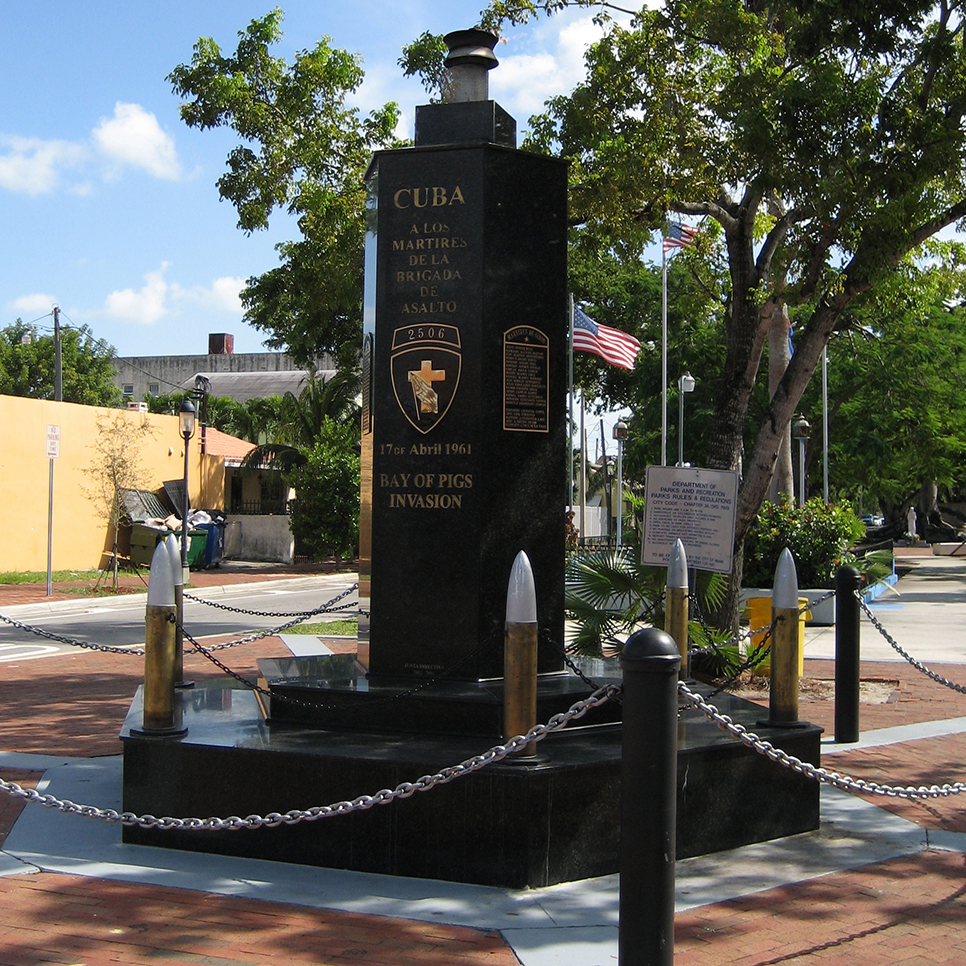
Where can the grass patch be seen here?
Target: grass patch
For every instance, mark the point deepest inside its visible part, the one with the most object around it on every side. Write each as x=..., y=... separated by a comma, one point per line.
x=338, y=628
x=38, y=577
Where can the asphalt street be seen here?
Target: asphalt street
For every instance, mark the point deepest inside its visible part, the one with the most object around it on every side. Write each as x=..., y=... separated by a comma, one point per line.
x=119, y=621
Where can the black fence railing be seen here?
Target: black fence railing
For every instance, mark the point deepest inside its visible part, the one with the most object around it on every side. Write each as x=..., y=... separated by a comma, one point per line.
x=261, y=507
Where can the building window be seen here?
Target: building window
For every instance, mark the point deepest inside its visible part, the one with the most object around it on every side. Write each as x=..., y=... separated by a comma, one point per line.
x=153, y=388
x=127, y=389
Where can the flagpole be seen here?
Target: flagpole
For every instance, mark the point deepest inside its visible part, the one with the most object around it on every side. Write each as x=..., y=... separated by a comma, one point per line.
x=583, y=468
x=825, y=423
x=663, y=353
x=570, y=402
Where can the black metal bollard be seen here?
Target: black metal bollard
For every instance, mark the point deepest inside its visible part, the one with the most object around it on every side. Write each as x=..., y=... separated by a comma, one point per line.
x=847, y=612
x=650, y=662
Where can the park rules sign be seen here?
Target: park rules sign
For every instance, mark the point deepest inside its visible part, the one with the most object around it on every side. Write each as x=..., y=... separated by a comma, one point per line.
x=696, y=506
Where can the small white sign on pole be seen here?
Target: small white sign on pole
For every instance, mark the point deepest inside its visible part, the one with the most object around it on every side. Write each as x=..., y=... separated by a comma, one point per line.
x=53, y=442
x=694, y=505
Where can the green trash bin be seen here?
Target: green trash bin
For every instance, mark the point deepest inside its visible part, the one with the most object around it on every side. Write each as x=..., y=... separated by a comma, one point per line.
x=197, y=544
x=144, y=539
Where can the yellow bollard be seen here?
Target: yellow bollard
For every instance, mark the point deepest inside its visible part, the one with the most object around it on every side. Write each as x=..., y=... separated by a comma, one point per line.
x=161, y=709
x=676, y=603
x=783, y=699
x=520, y=657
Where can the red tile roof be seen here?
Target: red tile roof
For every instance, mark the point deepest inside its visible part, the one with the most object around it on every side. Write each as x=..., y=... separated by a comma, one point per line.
x=231, y=448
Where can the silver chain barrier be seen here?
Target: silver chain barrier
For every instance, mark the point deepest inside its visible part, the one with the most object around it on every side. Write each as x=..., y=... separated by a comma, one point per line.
x=766, y=748
x=48, y=635
x=918, y=665
x=274, y=819
x=324, y=608
x=327, y=607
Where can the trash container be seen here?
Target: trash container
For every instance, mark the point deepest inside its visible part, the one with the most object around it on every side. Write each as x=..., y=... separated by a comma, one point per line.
x=197, y=547
x=143, y=541
x=215, y=543
x=145, y=538
x=759, y=620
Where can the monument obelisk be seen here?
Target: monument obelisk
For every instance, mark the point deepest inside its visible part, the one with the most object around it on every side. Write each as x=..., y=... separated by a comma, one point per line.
x=464, y=382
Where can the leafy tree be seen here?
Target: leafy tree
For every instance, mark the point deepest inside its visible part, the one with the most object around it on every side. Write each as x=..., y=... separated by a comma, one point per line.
x=116, y=466
x=325, y=512
x=304, y=150
x=28, y=366
x=897, y=386
x=823, y=142
x=304, y=416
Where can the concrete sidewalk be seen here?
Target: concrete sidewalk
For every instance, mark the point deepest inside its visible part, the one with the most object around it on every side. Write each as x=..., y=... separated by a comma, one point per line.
x=882, y=881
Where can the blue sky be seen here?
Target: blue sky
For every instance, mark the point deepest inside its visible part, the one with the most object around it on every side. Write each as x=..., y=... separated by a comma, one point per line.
x=108, y=203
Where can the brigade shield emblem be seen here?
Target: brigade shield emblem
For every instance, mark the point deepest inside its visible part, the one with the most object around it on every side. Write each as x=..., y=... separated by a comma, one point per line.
x=425, y=364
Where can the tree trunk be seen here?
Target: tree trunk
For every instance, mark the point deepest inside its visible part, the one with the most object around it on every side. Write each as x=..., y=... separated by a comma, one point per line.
x=783, y=480
x=928, y=500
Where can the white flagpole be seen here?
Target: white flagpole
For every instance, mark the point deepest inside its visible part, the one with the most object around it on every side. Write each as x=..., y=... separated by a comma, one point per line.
x=570, y=403
x=825, y=423
x=583, y=469
x=663, y=353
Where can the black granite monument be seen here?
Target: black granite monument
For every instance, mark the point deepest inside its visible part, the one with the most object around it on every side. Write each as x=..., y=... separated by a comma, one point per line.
x=464, y=364
x=463, y=465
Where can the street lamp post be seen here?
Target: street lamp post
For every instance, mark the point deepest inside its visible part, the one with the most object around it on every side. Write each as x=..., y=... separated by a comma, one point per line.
x=620, y=434
x=186, y=421
x=685, y=384
x=801, y=430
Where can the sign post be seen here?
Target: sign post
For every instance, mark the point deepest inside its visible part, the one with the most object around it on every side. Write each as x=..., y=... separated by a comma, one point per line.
x=53, y=453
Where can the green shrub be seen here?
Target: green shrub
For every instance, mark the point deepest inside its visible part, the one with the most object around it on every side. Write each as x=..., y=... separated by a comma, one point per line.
x=819, y=536
x=325, y=512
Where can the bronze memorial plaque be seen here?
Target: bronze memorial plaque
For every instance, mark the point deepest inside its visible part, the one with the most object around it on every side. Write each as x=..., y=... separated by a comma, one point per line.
x=526, y=380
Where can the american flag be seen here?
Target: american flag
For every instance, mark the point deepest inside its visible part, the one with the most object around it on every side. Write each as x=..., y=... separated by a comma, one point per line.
x=616, y=347
x=679, y=236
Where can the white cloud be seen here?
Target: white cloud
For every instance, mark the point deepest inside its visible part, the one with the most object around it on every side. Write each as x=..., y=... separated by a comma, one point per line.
x=158, y=298
x=221, y=296
x=33, y=166
x=225, y=293
x=37, y=303
x=133, y=137
x=555, y=65
x=144, y=306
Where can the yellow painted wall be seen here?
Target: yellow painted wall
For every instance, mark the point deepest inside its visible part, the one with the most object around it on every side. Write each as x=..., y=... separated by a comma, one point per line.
x=80, y=533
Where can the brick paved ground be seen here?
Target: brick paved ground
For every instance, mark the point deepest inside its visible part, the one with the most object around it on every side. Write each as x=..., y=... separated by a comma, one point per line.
x=907, y=910
x=910, y=910
x=47, y=919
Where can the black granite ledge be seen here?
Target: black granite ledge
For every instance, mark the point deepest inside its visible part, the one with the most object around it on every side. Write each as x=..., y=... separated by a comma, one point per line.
x=508, y=824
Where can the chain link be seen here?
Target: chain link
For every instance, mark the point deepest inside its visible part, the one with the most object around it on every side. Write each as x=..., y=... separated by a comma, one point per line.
x=48, y=635
x=325, y=608
x=766, y=748
x=938, y=678
x=383, y=797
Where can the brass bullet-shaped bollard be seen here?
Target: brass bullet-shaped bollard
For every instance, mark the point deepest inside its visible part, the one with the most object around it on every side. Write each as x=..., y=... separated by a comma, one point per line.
x=783, y=701
x=160, y=707
x=676, y=602
x=520, y=656
x=174, y=557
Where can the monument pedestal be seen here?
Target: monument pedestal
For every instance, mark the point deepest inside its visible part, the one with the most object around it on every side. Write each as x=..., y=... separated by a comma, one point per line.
x=337, y=692
x=512, y=825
